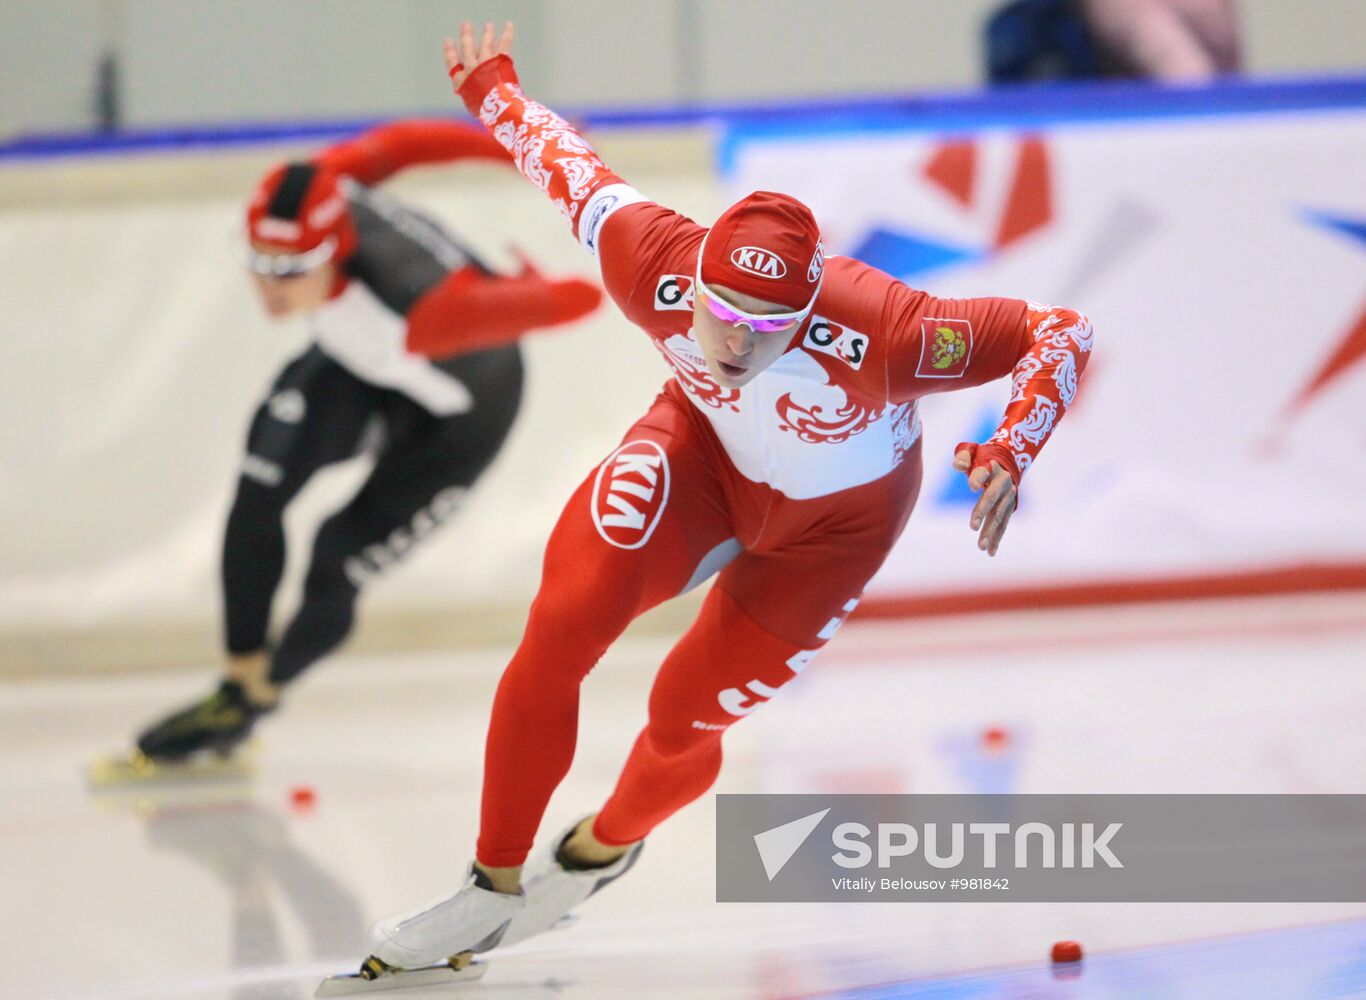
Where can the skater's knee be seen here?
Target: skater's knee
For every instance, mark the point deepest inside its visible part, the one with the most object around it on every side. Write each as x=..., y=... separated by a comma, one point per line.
x=680, y=740
x=342, y=564
x=257, y=500
x=334, y=578
x=332, y=581
x=574, y=623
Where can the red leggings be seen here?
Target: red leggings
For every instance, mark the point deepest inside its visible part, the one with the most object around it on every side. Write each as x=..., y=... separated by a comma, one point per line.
x=660, y=514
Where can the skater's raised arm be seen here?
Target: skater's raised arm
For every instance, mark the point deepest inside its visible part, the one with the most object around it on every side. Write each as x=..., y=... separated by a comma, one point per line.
x=378, y=154
x=547, y=150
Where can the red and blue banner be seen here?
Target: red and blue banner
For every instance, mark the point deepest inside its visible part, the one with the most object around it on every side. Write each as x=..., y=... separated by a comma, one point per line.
x=1218, y=443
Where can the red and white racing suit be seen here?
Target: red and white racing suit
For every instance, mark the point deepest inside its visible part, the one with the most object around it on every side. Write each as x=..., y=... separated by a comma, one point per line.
x=794, y=487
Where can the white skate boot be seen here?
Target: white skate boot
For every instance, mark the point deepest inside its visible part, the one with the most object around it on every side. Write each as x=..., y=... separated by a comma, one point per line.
x=552, y=890
x=434, y=944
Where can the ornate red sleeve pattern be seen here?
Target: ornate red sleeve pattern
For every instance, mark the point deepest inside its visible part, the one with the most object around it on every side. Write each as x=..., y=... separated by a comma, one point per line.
x=546, y=148
x=1044, y=383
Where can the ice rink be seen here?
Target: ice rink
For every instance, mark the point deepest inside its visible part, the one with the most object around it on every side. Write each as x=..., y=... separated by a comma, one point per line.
x=238, y=891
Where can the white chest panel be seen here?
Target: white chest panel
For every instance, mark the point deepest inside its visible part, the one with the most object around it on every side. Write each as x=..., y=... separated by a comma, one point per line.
x=366, y=338
x=794, y=427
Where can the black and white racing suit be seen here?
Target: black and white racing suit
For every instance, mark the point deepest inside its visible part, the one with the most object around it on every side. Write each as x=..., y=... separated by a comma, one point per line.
x=437, y=425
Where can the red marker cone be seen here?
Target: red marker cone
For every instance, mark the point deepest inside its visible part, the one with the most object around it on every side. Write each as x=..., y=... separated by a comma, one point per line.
x=1067, y=951
x=995, y=739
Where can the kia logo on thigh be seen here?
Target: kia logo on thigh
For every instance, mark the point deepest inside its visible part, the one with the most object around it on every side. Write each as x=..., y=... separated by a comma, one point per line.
x=630, y=492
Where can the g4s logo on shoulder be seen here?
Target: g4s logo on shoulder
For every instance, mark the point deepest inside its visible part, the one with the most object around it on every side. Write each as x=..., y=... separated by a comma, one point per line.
x=674, y=292
x=849, y=346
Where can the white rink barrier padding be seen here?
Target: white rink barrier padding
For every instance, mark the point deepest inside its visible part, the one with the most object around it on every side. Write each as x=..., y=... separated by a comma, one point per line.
x=1218, y=435
x=1218, y=443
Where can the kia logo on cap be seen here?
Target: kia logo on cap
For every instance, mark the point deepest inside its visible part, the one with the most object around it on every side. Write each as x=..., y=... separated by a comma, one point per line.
x=817, y=266
x=758, y=261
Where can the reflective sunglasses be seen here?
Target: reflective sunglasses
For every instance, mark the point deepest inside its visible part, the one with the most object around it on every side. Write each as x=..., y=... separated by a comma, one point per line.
x=758, y=322
x=285, y=265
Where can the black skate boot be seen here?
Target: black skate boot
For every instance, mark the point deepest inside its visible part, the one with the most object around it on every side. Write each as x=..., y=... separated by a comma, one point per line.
x=219, y=723
x=204, y=741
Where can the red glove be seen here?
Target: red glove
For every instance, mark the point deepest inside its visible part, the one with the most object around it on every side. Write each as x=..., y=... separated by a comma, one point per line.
x=982, y=455
x=485, y=77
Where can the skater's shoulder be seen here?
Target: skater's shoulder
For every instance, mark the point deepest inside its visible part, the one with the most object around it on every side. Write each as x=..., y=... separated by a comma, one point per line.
x=857, y=294
x=388, y=227
x=648, y=251
x=401, y=253
x=642, y=228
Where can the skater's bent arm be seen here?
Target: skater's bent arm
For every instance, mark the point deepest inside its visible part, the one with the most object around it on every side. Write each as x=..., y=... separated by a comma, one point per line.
x=471, y=311
x=378, y=154
x=547, y=150
x=1044, y=382
x=949, y=344
x=1045, y=363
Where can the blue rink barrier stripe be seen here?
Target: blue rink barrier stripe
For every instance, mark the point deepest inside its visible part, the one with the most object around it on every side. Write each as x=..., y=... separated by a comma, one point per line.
x=1056, y=105
x=1022, y=106
x=171, y=140
x=1325, y=960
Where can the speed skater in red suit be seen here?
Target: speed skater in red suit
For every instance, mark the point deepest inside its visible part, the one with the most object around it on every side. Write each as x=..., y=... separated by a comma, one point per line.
x=783, y=458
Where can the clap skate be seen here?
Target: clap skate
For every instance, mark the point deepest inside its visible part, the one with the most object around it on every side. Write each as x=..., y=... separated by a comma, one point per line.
x=433, y=945
x=206, y=741
x=553, y=888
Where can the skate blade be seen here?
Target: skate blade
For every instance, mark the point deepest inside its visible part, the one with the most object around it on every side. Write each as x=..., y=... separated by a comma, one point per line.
x=353, y=984
x=132, y=768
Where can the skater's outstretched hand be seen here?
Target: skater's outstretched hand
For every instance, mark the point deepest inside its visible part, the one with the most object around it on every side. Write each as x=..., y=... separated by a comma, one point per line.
x=464, y=56
x=997, y=502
